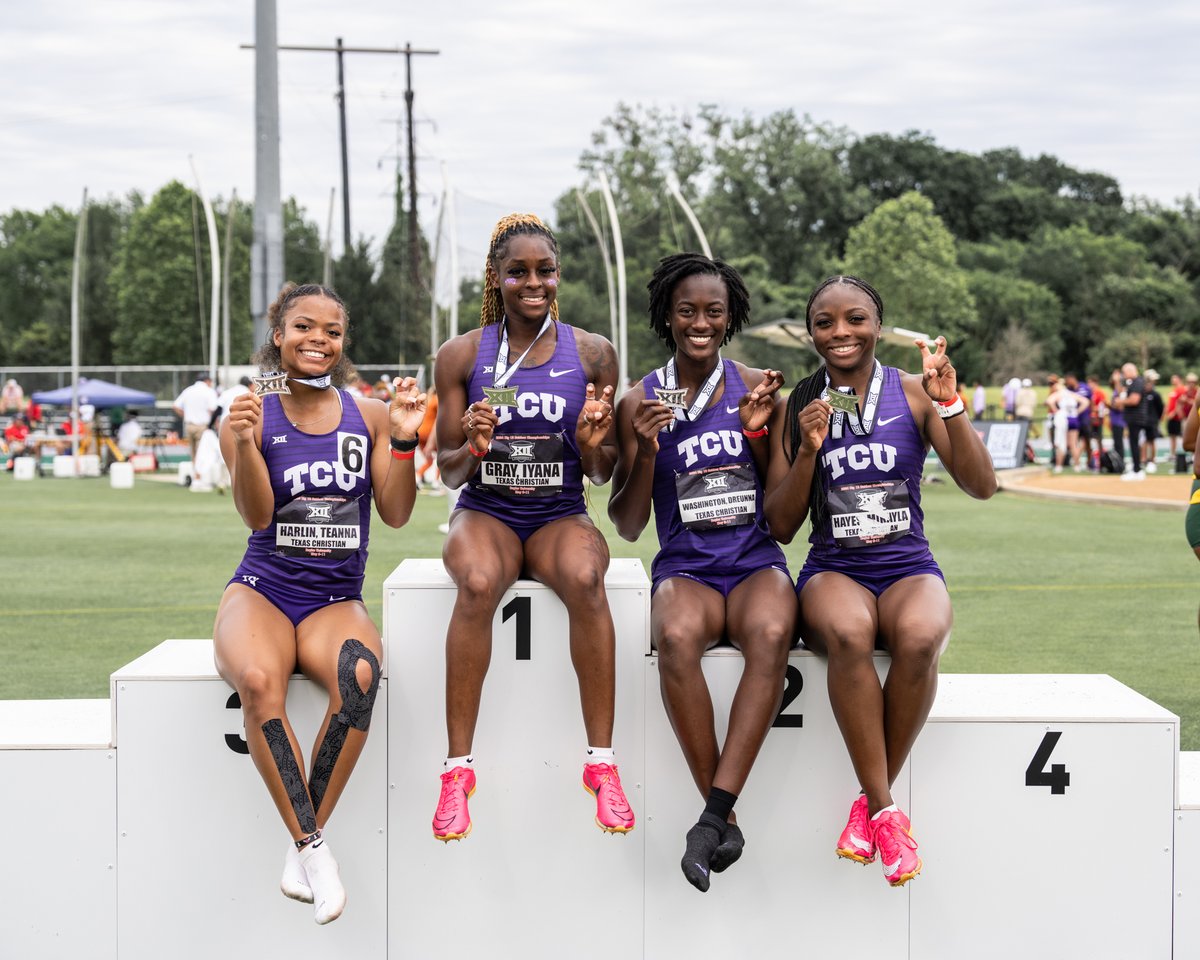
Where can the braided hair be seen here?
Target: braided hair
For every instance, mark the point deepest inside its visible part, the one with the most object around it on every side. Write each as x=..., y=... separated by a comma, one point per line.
x=811, y=387
x=679, y=266
x=267, y=357
x=515, y=224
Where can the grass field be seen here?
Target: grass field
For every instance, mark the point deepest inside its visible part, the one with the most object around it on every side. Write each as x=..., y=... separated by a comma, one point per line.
x=93, y=577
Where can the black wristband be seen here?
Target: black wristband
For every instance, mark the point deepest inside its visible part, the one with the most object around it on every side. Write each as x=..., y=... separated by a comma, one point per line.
x=404, y=446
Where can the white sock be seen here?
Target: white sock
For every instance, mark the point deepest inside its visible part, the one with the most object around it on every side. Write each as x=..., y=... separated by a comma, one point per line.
x=451, y=762
x=321, y=871
x=601, y=755
x=293, y=883
x=892, y=808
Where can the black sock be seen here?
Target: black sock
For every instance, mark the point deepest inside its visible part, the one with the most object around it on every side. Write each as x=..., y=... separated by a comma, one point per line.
x=702, y=840
x=720, y=803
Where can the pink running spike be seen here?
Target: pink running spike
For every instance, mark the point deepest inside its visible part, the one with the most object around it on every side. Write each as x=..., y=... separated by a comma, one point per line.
x=897, y=848
x=452, y=819
x=613, y=813
x=857, y=841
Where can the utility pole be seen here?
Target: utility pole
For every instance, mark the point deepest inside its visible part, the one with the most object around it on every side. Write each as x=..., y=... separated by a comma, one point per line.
x=414, y=248
x=341, y=49
x=266, y=252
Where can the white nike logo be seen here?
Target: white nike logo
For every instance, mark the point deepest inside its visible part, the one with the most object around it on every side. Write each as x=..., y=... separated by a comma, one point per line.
x=336, y=599
x=859, y=842
x=884, y=422
x=562, y=373
x=731, y=409
x=890, y=868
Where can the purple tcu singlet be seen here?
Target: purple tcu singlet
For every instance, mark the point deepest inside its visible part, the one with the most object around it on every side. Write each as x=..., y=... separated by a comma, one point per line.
x=874, y=532
x=708, y=497
x=316, y=546
x=532, y=474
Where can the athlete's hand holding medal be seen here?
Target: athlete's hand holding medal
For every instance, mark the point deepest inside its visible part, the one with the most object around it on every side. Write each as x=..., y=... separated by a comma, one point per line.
x=245, y=413
x=595, y=419
x=652, y=417
x=478, y=422
x=407, y=409
x=755, y=407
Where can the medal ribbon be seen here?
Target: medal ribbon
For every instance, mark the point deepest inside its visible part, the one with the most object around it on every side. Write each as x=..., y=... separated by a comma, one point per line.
x=866, y=419
x=666, y=376
x=317, y=383
x=503, y=371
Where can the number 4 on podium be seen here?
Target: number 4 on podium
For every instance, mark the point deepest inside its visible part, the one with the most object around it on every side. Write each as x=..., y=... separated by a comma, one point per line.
x=1036, y=775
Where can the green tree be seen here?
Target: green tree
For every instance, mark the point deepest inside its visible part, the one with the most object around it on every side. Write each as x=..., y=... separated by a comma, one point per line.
x=36, y=253
x=905, y=251
x=1007, y=304
x=160, y=314
x=399, y=326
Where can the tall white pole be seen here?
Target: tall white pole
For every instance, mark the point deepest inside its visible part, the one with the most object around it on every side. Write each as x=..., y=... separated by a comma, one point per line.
x=619, y=255
x=608, y=270
x=76, y=270
x=214, y=250
x=225, y=309
x=266, y=253
x=673, y=186
x=433, y=272
x=452, y=223
x=327, y=273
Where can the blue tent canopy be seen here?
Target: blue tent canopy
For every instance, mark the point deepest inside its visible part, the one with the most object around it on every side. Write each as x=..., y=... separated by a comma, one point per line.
x=99, y=393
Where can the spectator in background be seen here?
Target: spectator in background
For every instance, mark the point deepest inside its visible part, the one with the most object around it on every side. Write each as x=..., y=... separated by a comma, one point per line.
x=1083, y=424
x=1116, y=414
x=1096, y=413
x=1174, y=415
x=15, y=437
x=979, y=401
x=1009, y=393
x=1129, y=400
x=129, y=434
x=12, y=397
x=1026, y=400
x=195, y=408
x=33, y=414
x=1152, y=414
x=1188, y=403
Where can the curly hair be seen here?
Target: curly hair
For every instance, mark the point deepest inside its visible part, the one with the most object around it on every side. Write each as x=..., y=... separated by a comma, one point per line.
x=843, y=278
x=267, y=357
x=678, y=266
x=514, y=225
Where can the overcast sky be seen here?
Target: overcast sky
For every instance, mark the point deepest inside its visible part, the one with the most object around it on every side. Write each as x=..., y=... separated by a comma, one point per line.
x=115, y=96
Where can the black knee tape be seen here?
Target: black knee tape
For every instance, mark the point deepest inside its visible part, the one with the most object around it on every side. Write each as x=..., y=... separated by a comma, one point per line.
x=356, y=712
x=356, y=703
x=289, y=773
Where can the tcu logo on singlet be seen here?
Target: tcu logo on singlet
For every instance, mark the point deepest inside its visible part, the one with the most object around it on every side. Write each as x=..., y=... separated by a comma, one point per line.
x=860, y=456
x=530, y=404
x=710, y=444
x=350, y=466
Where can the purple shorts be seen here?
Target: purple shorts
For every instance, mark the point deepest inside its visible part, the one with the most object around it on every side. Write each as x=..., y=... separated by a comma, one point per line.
x=291, y=599
x=875, y=581
x=523, y=530
x=724, y=585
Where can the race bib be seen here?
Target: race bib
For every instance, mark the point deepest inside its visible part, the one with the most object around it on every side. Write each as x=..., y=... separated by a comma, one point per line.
x=865, y=514
x=716, y=497
x=529, y=465
x=324, y=527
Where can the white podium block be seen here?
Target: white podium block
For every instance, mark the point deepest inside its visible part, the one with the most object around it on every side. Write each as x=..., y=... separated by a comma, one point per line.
x=536, y=878
x=1187, y=858
x=64, y=465
x=89, y=464
x=60, y=889
x=201, y=845
x=120, y=476
x=1043, y=806
x=184, y=475
x=24, y=468
x=791, y=811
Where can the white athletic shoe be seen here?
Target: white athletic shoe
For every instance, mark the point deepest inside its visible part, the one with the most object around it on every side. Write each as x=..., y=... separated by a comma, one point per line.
x=293, y=883
x=1152, y=467
x=321, y=870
